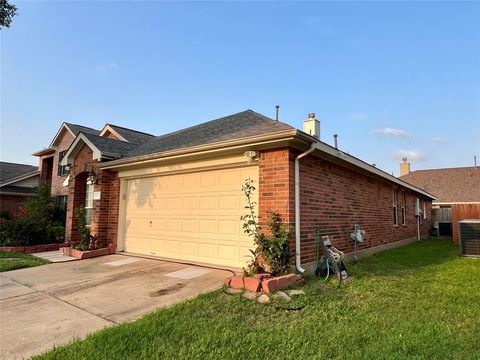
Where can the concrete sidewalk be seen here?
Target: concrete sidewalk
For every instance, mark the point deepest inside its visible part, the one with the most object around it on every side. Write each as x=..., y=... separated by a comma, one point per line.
x=54, y=256
x=52, y=304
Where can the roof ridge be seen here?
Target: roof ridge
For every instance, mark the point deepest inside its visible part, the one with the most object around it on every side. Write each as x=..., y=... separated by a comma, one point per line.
x=449, y=168
x=84, y=126
x=218, y=119
x=125, y=128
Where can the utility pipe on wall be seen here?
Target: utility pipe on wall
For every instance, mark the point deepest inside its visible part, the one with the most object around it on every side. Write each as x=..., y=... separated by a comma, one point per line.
x=298, y=261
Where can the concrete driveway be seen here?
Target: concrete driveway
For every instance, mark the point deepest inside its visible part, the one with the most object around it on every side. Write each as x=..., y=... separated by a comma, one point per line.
x=50, y=305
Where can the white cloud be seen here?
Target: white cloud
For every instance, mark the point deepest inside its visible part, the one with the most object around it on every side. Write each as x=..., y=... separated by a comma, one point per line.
x=412, y=154
x=107, y=68
x=438, y=139
x=358, y=116
x=391, y=132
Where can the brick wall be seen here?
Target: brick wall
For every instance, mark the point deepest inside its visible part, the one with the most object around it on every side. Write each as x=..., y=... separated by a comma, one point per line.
x=277, y=180
x=64, y=143
x=105, y=214
x=13, y=204
x=333, y=199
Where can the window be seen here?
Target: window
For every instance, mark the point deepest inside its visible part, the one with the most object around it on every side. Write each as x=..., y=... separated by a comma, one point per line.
x=404, y=208
x=395, y=206
x=62, y=170
x=89, y=204
x=61, y=202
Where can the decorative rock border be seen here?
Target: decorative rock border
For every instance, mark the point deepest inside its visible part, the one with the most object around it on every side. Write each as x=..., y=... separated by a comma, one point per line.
x=79, y=254
x=32, y=249
x=263, y=282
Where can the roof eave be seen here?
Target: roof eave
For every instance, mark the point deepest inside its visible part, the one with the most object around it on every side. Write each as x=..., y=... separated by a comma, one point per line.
x=45, y=151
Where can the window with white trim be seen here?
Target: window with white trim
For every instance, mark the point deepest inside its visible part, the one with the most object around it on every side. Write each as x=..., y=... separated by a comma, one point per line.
x=89, y=204
x=62, y=169
x=395, y=207
x=404, y=208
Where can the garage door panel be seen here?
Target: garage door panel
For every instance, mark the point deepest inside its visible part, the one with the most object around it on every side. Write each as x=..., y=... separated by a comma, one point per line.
x=194, y=217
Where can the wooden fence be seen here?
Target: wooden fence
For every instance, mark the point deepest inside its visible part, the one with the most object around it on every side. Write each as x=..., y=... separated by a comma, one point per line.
x=461, y=212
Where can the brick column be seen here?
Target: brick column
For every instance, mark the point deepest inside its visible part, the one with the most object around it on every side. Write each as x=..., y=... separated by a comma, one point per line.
x=276, y=188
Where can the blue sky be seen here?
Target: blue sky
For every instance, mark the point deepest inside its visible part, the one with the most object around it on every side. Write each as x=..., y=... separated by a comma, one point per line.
x=391, y=78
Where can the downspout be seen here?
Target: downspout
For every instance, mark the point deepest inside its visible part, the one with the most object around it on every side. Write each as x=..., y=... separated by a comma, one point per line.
x=298, y=262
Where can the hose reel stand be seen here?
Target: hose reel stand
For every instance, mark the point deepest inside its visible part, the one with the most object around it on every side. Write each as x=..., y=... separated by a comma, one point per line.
x=357, y=236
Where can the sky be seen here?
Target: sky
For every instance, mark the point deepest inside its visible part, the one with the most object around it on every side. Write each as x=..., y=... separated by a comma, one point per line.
x=392, y=79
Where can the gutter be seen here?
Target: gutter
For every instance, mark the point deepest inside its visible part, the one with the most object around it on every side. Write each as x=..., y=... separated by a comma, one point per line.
x=298, y=259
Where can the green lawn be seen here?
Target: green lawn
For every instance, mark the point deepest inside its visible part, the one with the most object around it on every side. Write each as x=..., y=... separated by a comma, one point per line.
x=421, y=301
x=13, y=260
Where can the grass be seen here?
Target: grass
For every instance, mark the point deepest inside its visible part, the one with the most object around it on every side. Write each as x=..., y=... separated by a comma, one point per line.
x=12, y=260
x=421, y=301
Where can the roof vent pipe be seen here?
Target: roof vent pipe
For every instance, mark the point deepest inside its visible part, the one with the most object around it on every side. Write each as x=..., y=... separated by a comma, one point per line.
x=277, y=107
x=335, y=141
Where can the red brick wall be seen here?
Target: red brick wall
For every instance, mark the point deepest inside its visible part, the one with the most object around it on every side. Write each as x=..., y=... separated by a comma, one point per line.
x=13, y=204
x=276, y=177
x=333, y=199
x=105, y=214
x=56, y=182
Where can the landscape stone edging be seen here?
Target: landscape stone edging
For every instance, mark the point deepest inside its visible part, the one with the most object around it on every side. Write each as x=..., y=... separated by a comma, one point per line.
x=79, y=254
x=263, y=282
x=32, y=248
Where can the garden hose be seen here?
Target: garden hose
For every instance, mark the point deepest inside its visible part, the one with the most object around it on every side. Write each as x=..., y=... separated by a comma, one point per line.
x=328, y=269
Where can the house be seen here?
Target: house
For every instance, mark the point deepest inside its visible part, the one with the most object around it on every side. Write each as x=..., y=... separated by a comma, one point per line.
x=17, y=183
x=52, y=173
x=457, y=191
x=179, y=195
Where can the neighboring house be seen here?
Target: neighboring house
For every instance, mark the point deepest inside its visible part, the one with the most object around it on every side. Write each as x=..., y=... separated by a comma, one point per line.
x=179, y=195
x=457, y=191
x=17, y=183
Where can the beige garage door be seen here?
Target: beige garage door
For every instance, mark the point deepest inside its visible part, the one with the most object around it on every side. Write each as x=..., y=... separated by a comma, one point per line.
x=193, y=216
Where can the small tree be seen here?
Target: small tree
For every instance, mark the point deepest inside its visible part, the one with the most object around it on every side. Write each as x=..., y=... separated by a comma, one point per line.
x=7, y=12
x=273, y=251
x=41, y=206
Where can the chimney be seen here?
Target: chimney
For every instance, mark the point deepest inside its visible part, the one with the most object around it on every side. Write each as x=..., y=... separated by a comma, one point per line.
x=404, y=167
x=312, y=126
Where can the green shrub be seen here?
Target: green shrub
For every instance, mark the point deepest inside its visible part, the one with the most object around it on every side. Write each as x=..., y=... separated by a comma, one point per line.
x=23, y=232
x=40, y=226
x=5, y=215
x=41, y=206
x=272, y=253
x=57, y=233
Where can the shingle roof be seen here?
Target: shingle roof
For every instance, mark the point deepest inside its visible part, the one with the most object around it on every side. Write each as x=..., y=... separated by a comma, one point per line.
x=233, y=127
x=80, y=128
x=448, y=185
x=133, y=137
x=110, y=147
x=9, y=171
